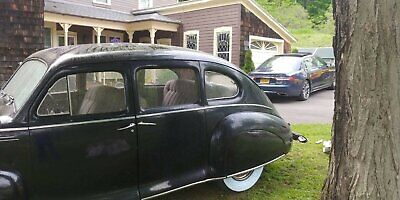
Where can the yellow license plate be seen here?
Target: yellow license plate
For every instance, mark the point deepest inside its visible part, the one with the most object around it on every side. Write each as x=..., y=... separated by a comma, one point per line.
x=264, y=81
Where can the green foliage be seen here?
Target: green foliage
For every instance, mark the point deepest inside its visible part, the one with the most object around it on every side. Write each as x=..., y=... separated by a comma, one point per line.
x=248, y=62
x=295, y=50
x=316, y=9
x=293, y=15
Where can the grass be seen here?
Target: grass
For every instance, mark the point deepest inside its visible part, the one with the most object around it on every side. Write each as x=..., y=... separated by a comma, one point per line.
x=312, y=38
x=295, y=18
x=299, y=175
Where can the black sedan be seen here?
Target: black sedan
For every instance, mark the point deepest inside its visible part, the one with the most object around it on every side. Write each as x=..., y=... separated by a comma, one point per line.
x=128, y=121
x=295, y=75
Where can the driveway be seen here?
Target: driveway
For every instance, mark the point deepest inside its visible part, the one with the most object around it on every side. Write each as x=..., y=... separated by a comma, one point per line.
x=318, y=108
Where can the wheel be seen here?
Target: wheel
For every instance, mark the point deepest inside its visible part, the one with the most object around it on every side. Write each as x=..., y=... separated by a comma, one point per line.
x=333, y=85
x=244, y=181
x=305, y=92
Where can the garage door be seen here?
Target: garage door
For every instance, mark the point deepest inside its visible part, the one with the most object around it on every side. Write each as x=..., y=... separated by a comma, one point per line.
x=263, y=48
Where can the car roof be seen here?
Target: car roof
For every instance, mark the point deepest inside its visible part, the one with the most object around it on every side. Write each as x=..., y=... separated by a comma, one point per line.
x=295, y=54
x=108, y=52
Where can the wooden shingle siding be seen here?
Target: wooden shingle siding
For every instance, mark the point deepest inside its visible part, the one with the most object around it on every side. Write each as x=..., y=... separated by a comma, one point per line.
x=252, y=25
x=119, y=5
x=206, y=20
x=21, y=33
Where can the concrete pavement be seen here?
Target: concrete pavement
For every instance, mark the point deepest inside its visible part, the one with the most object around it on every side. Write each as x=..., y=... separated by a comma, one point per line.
x=319, y=108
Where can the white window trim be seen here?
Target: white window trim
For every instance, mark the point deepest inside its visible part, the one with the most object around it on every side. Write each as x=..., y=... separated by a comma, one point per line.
x=223, y=29
x=279, y=43
x=192, y=32
x=70, y=34
x=99, y=2
x=54, y=37
x=141, y=6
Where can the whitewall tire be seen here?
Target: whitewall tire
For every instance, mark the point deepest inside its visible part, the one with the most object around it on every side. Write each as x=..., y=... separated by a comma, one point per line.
x=244, y=181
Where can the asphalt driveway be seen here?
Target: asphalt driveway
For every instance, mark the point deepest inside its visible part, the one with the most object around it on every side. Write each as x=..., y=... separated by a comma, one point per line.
x=319, y=108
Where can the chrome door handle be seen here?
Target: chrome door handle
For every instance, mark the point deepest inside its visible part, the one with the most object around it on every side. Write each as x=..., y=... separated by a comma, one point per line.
x=131, y=125
x=146, y=124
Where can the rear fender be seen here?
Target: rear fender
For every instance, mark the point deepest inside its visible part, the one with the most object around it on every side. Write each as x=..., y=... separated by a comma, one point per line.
x=247, y=139
x=11, y=186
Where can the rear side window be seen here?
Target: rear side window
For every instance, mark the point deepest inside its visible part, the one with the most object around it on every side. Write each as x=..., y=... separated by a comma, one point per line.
x=85, y=93
x=220, y=86
x=166, y=87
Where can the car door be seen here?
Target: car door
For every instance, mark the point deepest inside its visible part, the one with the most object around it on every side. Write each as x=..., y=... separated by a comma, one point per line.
x=170, y=125
x=314, y=72
x=327, y=74
x=83, y=143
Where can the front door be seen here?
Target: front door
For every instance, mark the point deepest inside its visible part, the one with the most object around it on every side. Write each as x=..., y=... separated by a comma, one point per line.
x=82, y=133
x=170, y=123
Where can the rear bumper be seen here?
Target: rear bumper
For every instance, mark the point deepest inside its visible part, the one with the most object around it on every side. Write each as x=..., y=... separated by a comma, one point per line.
x=281, y=90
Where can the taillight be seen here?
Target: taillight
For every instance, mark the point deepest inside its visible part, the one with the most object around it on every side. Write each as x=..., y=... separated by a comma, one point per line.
x=292, y=78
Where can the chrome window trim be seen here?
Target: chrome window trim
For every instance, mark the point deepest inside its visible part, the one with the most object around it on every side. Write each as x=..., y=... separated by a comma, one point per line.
x=202, y=108
x=13, y=129
x=211, y=179
x=81, y=123
x=142, y=116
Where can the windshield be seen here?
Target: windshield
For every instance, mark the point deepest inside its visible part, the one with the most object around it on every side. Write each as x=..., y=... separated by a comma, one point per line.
x=280, y=64
x=21, y=86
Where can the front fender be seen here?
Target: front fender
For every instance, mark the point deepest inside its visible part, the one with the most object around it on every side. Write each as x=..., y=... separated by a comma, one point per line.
x=11, y=186
x=247, y=139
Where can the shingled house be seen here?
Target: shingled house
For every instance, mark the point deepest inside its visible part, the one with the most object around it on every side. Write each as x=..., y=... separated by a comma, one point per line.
x=225, y=28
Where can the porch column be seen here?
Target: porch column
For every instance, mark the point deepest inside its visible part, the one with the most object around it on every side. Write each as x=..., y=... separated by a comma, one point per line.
x=98, y=31
x=130, y=35
x=65, y=27
x=152, y=35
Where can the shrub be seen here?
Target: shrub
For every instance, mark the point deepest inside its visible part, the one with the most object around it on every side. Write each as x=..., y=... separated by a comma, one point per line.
x=248, y=62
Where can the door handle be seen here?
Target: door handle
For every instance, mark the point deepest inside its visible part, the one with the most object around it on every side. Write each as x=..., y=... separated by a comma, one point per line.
x=147, y=124
x=131, y=125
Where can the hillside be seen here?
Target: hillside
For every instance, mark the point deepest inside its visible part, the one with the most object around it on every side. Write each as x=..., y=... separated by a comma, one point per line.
x=311, y=30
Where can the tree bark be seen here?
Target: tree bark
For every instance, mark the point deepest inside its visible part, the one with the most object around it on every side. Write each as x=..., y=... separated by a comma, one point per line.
x=365, y=158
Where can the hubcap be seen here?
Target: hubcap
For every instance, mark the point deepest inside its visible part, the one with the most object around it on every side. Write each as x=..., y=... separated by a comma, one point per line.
x=306, y=90
x=242, y=176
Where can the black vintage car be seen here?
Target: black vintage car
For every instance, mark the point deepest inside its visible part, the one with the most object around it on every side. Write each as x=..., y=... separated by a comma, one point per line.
x=126, y=121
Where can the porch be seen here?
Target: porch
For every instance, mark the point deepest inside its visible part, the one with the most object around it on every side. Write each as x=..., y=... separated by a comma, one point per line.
x=69, y=24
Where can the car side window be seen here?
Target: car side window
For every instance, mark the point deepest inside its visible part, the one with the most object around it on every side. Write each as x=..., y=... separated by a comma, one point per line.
x=307, y=62
x=219, y=86
x=56, y=100
x=166, y=87
x=85, y=93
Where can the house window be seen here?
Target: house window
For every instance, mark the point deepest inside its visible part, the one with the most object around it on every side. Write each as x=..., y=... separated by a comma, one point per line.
x=108, y=36
x=72, y=38
x=223, y=42
x=106, y=2
x=47, y=38
x=143, y=4
x=191, y=40
x=164, y=41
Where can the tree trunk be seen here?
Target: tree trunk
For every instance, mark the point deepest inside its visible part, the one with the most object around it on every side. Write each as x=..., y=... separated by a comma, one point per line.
x=365, y=158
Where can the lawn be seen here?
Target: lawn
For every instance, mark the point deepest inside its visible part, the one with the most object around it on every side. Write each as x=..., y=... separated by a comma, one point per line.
x=299, y=175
